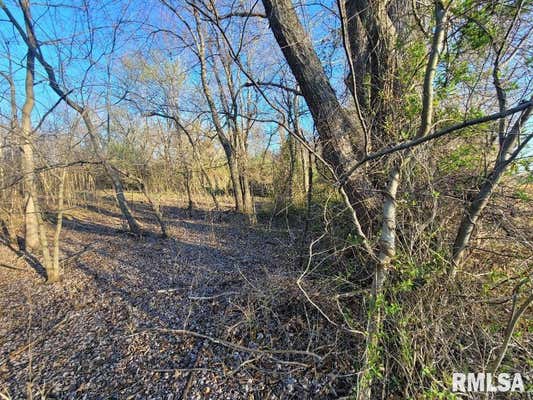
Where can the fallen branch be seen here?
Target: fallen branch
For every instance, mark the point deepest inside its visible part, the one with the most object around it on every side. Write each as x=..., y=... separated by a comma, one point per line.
x=77, y=254
x=213, y=297
x=35, y=341
x=185, y=393
x=238, y=347
x=168, y=290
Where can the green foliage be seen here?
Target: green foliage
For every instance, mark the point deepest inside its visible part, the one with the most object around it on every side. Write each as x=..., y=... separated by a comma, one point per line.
x=449, y=78
x=465, y=156
x=436, y=393
x=523, y=195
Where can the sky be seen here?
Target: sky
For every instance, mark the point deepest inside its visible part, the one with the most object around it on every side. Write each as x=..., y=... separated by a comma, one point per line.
x=77, y=35
x=77, y=41
x=73, y=37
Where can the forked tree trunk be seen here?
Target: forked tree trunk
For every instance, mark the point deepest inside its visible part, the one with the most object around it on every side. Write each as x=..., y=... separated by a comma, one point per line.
x=234, y=147
x=505, y=157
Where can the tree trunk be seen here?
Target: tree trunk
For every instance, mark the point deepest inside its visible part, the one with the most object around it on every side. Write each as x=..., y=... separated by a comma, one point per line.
x=247, y=198
x=387, y=244
x=340, y=133
x=471, y=216
x=235, y=180
x=34, y=48
x=134, y=226
x=54, y=273
x=196, y=156
x=188, y=176
x=246, y=193
x=371, y=46
x=31, y=233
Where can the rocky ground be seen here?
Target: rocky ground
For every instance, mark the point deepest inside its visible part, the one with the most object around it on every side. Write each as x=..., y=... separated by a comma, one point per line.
x=213, y=312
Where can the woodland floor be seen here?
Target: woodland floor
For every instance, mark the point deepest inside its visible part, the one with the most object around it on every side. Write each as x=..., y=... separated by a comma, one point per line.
x=113, y=328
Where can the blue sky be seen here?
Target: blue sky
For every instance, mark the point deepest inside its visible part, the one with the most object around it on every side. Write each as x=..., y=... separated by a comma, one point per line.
x=77, y=40
x=74, y=36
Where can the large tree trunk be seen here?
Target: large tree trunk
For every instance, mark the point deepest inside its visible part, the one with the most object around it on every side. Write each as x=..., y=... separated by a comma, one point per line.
x=340, y=133
x=31, y=236
x=35, y=228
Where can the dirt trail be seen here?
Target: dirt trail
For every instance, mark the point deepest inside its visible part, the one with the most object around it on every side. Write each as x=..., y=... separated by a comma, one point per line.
x=104, y=331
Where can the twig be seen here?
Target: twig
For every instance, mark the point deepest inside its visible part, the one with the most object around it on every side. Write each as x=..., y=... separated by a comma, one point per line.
x=213, y=297
x=422, y=139
x=77, y=254
x=516, y=313
x=238, y=346
x=35, y=341
x=188, y=384
x=187, y=370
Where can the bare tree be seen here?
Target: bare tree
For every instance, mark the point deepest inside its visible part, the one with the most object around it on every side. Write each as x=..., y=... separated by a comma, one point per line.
x=34, y=48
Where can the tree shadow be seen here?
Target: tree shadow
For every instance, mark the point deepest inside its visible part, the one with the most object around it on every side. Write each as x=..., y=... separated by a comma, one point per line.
x=23, y=253
x=103, y=211
x=78, y=225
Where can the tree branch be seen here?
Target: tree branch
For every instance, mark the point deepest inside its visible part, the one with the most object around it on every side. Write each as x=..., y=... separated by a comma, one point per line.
x=419, y=140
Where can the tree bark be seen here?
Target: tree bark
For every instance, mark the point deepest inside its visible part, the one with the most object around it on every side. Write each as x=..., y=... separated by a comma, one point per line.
x=340, y=133
x=33, y=47
x=472, y=214
x=235, y=179
x=54, y=272
x=31, y=232
x=387, y=250
x=188, y=178
x=371, y=45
